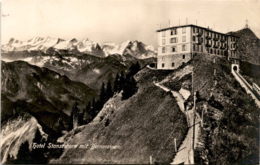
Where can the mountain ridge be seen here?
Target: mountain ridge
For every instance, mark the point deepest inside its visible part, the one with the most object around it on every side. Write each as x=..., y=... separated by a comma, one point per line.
x=61, y=46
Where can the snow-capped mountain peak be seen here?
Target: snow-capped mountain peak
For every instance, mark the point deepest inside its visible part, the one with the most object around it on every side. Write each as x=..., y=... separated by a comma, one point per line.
x=60, y=46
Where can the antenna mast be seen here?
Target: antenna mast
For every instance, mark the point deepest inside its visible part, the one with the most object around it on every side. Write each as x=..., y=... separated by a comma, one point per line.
x=246, y=24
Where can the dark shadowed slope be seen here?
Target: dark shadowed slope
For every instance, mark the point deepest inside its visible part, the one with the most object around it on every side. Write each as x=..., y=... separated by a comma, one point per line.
x=141, y=126
x=248, y=45
x=44, y=93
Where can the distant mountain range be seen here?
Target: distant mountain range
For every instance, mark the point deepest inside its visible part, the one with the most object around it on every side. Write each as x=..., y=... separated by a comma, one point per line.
x=60, y=46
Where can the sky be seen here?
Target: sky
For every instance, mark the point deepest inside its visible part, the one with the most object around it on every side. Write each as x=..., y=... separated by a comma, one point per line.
x=117, y=21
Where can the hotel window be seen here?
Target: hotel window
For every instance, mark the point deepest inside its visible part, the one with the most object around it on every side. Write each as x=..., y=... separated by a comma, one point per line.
x=174, y=40
x=194, y=29
x=174, y=49
x=193, y=38
x=163, y=58
x=183, y=56
x=173, y=64
x=163, y=41
x=173, y=31
x=183, y=30
x=163, y=49
x=184, y=48
x=183, y=38
x=163, y=33
x=162, y=65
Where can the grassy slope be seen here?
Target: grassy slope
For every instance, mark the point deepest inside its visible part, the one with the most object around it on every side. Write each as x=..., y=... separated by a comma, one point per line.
x=144, y=125
x=231, y=123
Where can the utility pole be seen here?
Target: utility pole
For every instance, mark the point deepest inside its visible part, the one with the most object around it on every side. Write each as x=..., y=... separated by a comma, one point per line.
x=175, y=145
x=201, y=122
x=194, y=109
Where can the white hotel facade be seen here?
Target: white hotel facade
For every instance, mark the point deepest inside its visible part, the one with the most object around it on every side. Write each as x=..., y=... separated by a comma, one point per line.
x=177, y=45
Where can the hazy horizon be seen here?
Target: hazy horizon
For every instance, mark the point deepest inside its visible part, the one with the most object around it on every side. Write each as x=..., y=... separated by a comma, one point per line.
x=118, y=21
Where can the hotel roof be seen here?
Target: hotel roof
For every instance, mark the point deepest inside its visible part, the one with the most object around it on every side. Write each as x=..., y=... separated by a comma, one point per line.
x=208, y=29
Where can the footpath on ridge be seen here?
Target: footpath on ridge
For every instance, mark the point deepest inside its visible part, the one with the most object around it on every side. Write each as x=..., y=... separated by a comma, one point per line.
x=185, y=153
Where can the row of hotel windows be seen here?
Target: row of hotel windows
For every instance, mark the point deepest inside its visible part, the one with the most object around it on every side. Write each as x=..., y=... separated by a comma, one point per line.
x=216, y=43
x=194, y=39
x=200, y=39
x=174, y=40
x=216, y=51
x=233, y=53
x=198, y=30
x=174, y=48
x=198, y=48
x=209, y=33
x=173, y=57
x=174, y=31
x=233, y=39
x=172, y=64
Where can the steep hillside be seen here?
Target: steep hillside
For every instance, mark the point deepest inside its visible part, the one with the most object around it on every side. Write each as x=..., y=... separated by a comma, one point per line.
x=43, y=93
x=230, y=132
x=231, y=123
x=132, y=130
x=248, y=45
x=22, y=81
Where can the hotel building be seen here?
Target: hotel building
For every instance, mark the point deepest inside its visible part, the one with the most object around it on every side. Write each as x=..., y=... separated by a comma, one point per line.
x=179, y=44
